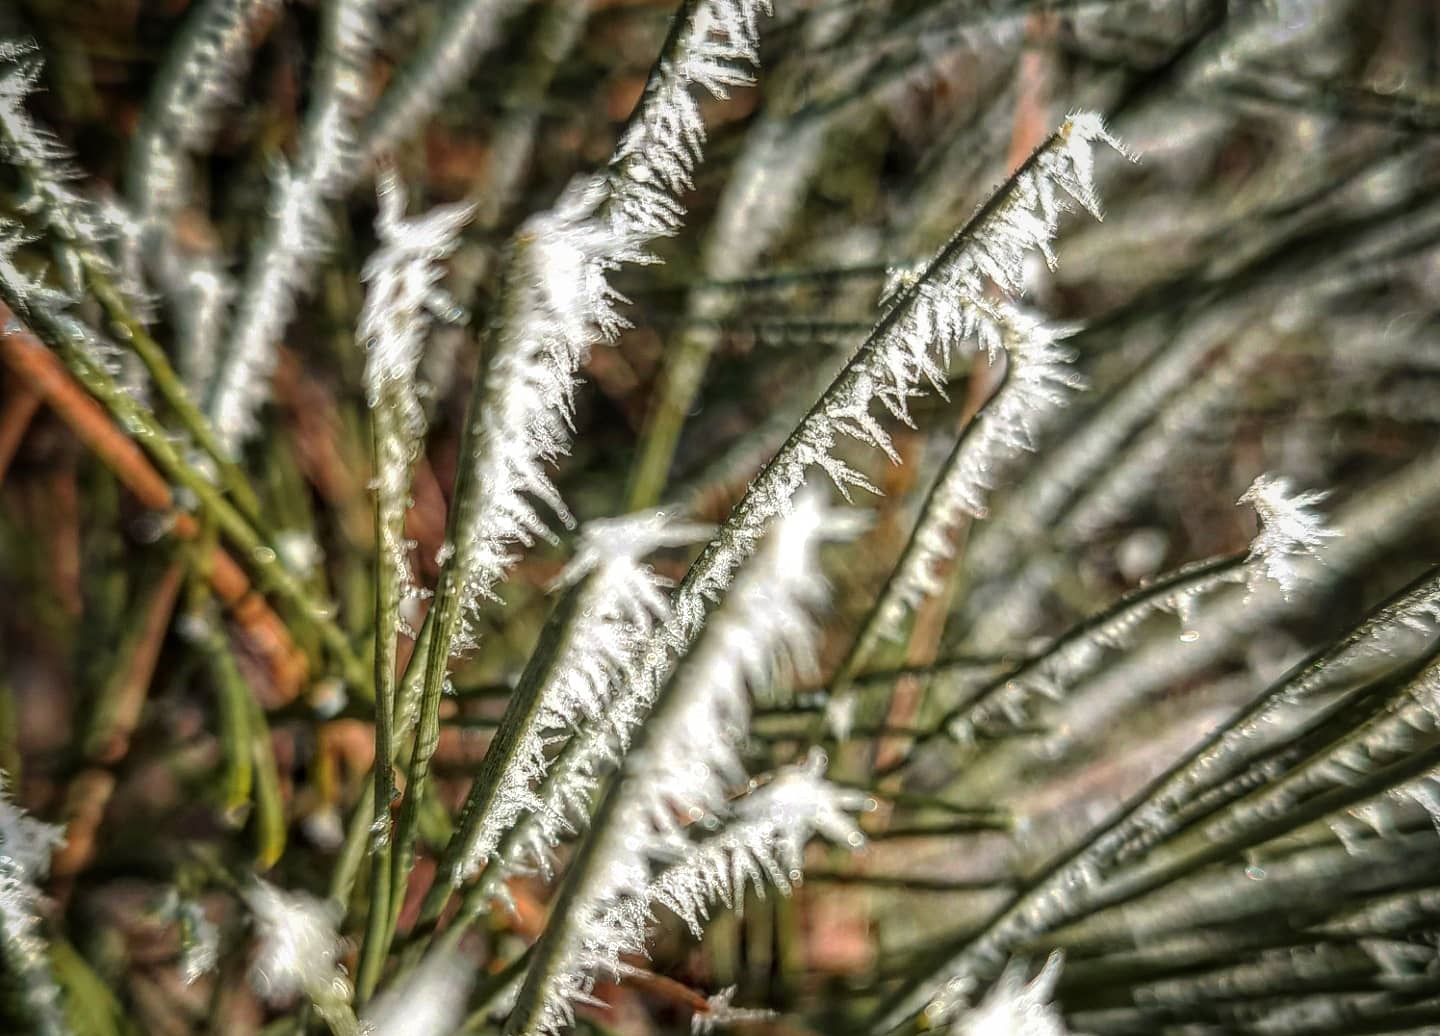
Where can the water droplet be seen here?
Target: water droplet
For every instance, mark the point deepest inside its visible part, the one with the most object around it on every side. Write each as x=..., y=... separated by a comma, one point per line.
x=1190, y=636
x=1255, y=872
x=263, y=555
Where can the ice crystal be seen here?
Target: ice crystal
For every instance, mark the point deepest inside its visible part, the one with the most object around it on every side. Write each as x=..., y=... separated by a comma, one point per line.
x=720, y=1011
x=299, y=948
x=685, y=762
x=1289, y=529
x=1038, y=380
x=1015, y=1007
x=623, y=605
x=558, y=299
x=299, y=231
x=430, y=1001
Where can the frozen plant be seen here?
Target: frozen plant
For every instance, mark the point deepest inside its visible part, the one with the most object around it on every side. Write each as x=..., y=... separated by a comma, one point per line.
x=474, y=386
x=1290, y=529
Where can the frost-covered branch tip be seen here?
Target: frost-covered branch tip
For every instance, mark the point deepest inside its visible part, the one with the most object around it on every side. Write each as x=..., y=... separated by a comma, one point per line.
x=558, y=301
x=764, y=842
x=1290, y=530
x=720, y=1011
x=402, y=296
x=1039, y=379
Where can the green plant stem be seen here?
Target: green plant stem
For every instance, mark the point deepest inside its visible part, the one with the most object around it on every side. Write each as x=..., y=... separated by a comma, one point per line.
x=389, y=532
x=1199, y=574
x=1041, y=904
x=141, y=425
x=173, y=391
x=517, y=725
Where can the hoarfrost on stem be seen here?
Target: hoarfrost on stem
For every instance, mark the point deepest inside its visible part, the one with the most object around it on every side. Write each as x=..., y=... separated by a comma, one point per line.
x=25, y=848
x=623, y=604
x=402, y=296
x=935, y=311
x=1290, y=529
x=1038, y=381
x=1014, y=1007
x=558, y=299
x=299, y=230
x=684, y=763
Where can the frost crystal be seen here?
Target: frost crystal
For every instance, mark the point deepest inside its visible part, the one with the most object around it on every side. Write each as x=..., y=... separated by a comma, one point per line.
x=299, y=948
x=25, y=848
x=1017, y=1008
x=1289, y=529
x=687, y=762
x=720, y=1011
x=430, y=1001
x=622, y=607
x=558, y=300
